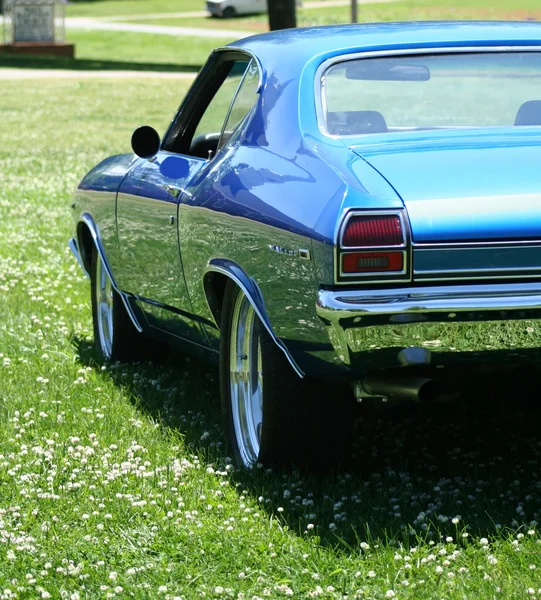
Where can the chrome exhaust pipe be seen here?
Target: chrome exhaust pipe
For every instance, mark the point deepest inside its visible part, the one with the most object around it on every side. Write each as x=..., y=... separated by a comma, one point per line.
x=414, y=389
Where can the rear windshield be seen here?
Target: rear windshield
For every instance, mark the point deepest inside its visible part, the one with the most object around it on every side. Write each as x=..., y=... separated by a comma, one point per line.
x=404, y=93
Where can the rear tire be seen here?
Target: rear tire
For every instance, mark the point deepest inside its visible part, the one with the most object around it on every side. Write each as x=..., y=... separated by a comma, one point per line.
x=271, y=415
x=115, y=336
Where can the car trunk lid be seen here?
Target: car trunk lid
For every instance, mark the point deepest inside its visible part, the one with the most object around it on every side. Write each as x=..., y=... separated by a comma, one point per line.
x=473, y=199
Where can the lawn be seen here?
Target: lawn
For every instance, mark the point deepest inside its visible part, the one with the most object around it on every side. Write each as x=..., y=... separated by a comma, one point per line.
x=115, y=481
x=108, y=8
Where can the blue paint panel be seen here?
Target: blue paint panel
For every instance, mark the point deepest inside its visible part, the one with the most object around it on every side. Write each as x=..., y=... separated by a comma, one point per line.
x=108, y=175
x=465, y=185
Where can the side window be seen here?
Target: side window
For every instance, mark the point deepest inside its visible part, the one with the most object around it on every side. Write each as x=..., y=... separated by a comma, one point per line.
x=243, y=102
x=209, y=128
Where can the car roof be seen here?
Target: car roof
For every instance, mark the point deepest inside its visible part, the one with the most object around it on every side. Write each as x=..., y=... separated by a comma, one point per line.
x=296, y=47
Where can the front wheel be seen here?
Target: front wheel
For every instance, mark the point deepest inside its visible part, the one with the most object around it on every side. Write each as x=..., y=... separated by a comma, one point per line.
x=115, y=336
x=229, y=13
x=271, y=415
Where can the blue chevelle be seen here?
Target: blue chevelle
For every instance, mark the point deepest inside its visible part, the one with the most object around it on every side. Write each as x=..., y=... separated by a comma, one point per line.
x=334, y=213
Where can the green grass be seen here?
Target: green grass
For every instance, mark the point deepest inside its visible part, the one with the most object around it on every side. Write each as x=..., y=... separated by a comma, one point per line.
x=107, y=50
x=108, y=8
x=408, y=10
x=143, y=47
x=115, y=480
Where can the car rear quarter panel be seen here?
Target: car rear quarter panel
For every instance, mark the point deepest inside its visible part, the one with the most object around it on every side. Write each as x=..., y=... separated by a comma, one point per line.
x=257, y=205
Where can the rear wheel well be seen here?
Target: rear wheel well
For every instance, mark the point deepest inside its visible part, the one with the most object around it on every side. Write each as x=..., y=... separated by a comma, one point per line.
x=215, y=284
x=86, y=244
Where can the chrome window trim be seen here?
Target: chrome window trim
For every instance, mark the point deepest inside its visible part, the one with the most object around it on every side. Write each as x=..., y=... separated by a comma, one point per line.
x=235, y=95
x=250, y=55
x=404, y=275
x=319, y=83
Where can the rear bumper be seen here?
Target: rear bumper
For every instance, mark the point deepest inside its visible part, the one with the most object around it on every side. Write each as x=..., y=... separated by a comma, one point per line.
x=433, y=325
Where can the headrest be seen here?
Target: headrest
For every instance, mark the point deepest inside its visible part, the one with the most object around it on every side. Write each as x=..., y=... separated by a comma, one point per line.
x=355, y=122
x=529, y=113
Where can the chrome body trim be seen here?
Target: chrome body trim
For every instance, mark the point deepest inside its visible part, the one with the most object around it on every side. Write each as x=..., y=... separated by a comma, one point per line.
x=89, y=222
x=468, y=244
x=250, y=55
x=431, y=299
x=319, y=82
x=74, y=247
x=256, y=302
x=372, y=328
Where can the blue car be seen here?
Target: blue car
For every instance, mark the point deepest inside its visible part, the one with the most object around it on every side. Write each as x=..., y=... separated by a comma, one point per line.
x=334, y=213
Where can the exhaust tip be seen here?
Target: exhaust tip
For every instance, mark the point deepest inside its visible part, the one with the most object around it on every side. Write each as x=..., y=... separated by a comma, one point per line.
x=429, y=391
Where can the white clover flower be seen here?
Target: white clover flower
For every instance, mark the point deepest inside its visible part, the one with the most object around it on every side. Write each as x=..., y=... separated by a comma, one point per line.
x=483, y=541
x=390, y=594
x=162, y=589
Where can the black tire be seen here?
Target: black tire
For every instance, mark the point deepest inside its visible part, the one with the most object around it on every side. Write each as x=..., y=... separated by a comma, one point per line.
x=303, y=423
x=115, y=336
x=229, y=13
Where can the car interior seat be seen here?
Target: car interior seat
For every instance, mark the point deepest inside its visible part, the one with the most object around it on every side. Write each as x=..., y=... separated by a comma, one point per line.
x=529, y=113
x=356, y=122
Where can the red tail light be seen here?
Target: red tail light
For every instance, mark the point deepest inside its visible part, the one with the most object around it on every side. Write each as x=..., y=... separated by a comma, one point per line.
x=373, y=231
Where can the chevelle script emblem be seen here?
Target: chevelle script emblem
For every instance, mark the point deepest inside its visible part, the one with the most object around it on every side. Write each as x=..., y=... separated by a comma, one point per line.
x=301, y=253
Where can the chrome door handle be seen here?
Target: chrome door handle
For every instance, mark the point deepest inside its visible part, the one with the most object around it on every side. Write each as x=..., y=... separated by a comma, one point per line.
x=174, y=191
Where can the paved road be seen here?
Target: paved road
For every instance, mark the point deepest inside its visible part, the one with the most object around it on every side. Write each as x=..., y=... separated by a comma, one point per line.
x=95, y=25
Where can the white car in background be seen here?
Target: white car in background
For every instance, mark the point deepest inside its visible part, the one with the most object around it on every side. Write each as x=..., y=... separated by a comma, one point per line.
x=231, y=8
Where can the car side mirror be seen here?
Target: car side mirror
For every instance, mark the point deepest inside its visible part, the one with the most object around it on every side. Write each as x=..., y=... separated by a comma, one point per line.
x=145, y=141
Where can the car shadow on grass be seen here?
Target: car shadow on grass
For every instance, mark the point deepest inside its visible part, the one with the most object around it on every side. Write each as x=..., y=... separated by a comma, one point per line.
x=83, y=64
x=417, y=472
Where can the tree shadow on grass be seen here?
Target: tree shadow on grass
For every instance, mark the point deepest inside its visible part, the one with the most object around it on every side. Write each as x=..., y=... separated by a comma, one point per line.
x=83, y=64
x=417, y=471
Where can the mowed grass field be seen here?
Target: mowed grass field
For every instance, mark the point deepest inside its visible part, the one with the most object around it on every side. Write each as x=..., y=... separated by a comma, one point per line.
x=115, y=481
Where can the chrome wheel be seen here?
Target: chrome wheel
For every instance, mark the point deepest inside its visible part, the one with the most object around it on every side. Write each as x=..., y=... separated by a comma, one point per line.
x=246, y=380
x=104, y=303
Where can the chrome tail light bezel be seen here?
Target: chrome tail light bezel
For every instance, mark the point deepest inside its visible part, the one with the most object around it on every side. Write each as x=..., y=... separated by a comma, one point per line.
x=367, y=277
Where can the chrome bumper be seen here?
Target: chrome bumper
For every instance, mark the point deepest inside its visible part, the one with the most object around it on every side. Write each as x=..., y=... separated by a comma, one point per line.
x=433, y=325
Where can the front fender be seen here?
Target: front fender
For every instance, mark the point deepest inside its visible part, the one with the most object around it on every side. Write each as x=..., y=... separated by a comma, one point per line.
x=251, y=290
x=88, y=222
